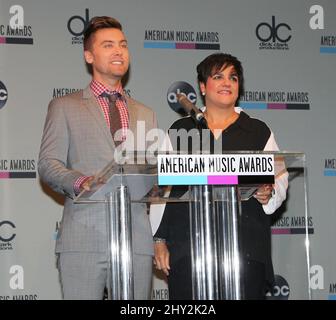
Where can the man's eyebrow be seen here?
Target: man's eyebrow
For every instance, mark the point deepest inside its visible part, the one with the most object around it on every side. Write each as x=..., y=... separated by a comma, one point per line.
x=114, y=41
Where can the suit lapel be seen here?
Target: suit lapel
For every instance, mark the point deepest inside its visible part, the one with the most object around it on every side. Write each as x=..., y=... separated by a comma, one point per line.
x=90, y=102
x=133, y=115
x=133, y=118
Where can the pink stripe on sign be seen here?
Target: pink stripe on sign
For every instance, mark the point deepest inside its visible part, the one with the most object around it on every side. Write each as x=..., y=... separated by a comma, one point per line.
x=281, y=231
x=222, y=179
x=181, y=45
x=4, y=175
x=277, y=106
x=2, y=40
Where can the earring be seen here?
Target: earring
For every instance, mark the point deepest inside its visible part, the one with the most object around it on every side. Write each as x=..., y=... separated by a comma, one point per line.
x=203, y=93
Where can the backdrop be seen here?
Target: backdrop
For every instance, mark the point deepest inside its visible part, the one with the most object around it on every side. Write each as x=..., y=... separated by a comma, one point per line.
x=288, y=50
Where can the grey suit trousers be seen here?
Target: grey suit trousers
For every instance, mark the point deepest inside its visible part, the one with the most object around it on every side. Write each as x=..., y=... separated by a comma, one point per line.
x=84, y=275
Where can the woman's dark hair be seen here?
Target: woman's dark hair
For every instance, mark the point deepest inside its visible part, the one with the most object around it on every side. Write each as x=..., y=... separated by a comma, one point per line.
x=215, y=63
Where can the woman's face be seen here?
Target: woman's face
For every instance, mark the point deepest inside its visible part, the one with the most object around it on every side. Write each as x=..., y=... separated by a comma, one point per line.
x=222, y=88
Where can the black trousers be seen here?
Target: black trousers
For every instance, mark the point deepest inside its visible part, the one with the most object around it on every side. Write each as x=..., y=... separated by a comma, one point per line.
x=254, y=280
x=179, y=279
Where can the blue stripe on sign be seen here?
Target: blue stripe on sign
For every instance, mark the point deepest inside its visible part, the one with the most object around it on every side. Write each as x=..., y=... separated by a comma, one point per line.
x=253, y=105
x=330, y=173
x=183, y=180
x=327, y=49
x=159, y=45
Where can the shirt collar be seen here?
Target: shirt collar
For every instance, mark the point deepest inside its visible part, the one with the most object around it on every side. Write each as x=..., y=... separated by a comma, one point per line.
x=244, y=121
x=98, y=88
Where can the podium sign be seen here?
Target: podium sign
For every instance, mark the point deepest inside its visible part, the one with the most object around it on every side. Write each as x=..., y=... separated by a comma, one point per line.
x=215, y=169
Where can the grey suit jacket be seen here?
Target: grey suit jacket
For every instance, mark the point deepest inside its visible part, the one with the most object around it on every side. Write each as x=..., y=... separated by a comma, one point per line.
x=76, y=141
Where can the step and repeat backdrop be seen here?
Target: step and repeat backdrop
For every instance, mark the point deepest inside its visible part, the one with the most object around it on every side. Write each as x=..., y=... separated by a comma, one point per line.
x=288, y=51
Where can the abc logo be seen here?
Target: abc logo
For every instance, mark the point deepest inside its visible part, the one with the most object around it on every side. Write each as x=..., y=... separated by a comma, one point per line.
x=77, y=24
x=6, y=233
x=266, y=32
x=280, y=290
x=182, y=88
x=3, y=95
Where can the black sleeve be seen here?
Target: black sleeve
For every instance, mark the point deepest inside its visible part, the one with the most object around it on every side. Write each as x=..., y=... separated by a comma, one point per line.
x=165, y=224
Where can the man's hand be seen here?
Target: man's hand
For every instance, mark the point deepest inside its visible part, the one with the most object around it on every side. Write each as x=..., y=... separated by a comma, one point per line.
x=86, y=184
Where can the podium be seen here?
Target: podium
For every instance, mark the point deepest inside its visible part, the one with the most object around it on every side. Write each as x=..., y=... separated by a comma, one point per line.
x=120, y=186
x=215, y=218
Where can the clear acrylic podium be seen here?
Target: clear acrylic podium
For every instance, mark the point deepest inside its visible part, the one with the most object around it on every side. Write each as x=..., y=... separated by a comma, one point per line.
x=119, y=186
x=215, y=218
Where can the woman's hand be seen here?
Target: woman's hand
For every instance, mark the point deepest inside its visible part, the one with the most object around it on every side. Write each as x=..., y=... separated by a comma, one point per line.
x=161, y=257
x=264, y=193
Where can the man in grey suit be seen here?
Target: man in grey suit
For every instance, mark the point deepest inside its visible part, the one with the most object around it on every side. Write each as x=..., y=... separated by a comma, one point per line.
x=78, y=142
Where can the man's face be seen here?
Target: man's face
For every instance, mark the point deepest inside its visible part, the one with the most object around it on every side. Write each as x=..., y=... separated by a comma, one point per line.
x=108, y=54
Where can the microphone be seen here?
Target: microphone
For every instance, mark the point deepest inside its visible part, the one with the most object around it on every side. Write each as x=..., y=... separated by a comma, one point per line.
x=192, y=110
